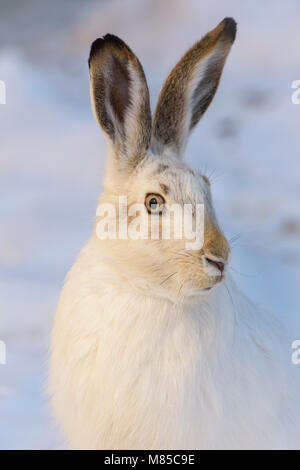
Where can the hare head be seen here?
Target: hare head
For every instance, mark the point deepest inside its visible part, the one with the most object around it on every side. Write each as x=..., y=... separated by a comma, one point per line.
x=145, y=160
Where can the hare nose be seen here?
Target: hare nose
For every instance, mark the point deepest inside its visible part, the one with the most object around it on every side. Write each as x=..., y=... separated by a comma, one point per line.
x=218, y=264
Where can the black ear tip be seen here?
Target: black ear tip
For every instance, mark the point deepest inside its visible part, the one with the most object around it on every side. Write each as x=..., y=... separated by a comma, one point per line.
x=95, y=47
x=112, y=39
x=99, y=43
x=229, y=29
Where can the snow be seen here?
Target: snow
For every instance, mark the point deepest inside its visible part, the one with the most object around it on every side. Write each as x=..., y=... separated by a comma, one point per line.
x=52, y=157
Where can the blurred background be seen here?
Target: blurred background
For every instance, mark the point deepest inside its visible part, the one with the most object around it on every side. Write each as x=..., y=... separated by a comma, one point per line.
x=52, y=156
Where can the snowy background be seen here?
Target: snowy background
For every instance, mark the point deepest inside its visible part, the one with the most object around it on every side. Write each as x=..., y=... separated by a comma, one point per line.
x=52, y=156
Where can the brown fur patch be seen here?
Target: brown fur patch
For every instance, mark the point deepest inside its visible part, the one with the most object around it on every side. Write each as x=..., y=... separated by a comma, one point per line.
x=206, y=179
x=171, y=108
x=165, y=189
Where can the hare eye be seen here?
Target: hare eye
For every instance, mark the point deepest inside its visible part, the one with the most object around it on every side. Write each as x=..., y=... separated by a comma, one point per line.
x=154, y=203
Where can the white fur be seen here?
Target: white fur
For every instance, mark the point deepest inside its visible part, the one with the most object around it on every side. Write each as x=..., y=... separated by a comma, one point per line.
x=130, y=371
x=143, y=356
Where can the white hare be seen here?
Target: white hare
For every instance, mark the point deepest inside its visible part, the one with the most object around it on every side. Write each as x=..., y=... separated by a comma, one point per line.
x=153, y=345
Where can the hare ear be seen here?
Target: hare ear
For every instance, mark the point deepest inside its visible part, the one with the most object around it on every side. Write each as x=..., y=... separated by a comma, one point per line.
x=120, y=98
x=190, y=87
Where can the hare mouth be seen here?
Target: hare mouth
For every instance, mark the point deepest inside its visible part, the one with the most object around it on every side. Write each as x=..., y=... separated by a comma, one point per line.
x=219, y=279
x=213, y=281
